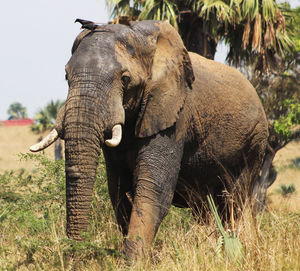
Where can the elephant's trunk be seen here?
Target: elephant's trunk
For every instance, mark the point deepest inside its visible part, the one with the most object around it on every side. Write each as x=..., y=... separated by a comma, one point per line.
x=83, y=136
x=81, y=166
x=85, y=121
x=89, y=119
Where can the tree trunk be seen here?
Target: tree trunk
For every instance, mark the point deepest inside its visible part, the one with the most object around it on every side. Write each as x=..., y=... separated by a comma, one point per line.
x=266, y=179
x=268, y=172
x=196, y=35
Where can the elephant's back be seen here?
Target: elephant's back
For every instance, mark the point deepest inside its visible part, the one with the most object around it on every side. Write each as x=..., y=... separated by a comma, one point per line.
x=212, y=76
x=224, y=110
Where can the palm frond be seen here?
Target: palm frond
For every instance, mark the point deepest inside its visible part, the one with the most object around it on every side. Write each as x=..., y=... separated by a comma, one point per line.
x=235, y=12
x=254, y=29
x=268, y=10
x=250, y=8
x=257, y=32
x=160, y=10
x=172, y=13
x=284, y=42
x=268, y=37
x=121, y=7
x=215, y=7
x=246, y=34
x=45, y=118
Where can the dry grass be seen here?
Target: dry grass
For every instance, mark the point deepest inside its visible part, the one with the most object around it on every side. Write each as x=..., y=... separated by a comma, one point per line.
x=32, y=224
x=15, y=140
x=287, y=174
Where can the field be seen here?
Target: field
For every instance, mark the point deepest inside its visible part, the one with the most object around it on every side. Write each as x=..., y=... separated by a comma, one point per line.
x=32, y=222
x=15, y=140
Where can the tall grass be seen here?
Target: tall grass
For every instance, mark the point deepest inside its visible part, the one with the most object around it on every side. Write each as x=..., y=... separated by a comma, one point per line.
x=32, y=232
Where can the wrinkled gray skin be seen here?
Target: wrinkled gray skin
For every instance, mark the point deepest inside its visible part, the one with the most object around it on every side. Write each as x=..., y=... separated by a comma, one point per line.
x=191, y=126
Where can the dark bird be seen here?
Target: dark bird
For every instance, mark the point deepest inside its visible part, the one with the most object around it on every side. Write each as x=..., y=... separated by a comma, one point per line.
x=86, y=24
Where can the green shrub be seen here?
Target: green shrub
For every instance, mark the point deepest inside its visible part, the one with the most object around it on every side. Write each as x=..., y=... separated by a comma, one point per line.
x=286, y=190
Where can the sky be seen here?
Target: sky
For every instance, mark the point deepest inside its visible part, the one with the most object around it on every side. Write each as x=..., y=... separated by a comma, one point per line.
x=36, y=41
x=35, y=45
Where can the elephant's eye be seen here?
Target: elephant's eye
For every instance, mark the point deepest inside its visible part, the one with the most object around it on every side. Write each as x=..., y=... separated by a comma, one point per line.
x=125, y=80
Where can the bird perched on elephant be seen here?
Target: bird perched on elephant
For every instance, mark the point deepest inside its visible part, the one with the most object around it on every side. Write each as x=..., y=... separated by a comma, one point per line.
x=173, y=126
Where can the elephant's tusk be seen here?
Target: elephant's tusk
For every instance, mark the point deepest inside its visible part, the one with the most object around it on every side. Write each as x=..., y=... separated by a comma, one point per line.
x=116, y=136
x=47, y=141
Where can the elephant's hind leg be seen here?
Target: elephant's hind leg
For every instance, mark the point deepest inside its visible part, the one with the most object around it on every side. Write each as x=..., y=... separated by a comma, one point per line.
x=119, y=187
x=122, y=205
x=241, y=190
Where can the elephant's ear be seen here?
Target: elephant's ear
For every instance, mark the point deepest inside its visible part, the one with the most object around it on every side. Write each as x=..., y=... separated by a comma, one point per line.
x=171, y=77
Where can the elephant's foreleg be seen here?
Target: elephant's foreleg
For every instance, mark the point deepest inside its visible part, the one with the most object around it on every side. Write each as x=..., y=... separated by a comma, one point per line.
x=155, y=180
x=147, y=213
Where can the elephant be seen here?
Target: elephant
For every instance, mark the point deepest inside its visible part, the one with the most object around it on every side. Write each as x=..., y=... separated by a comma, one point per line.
x=173, y=127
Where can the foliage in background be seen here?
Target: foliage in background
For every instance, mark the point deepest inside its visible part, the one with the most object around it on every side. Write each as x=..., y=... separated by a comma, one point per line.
x=44, y=121
x=288, y=74
x=17, y=111
x=279, y=89
x=254, y=30
x=285, y=123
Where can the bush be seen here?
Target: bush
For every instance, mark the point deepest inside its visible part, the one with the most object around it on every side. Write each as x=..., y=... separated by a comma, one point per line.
x=286, y=190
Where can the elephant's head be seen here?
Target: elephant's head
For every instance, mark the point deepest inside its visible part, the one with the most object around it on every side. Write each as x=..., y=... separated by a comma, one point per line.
x=135, y=77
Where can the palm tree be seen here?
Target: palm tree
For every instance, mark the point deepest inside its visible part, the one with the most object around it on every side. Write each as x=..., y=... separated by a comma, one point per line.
x=17, y=111
x=254, y=30
x=45, y=120
x=279, y=91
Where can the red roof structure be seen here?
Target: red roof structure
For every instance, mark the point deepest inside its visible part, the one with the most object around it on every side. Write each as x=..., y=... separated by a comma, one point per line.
x=15, y=122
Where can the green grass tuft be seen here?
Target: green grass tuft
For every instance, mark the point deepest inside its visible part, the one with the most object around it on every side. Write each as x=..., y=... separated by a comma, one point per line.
x=286, y=190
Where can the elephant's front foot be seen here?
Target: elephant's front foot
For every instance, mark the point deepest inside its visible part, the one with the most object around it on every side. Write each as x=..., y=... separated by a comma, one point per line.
x=134, y=249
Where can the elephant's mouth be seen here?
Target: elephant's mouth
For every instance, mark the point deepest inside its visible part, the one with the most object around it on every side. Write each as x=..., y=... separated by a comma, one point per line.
x=114, y=141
